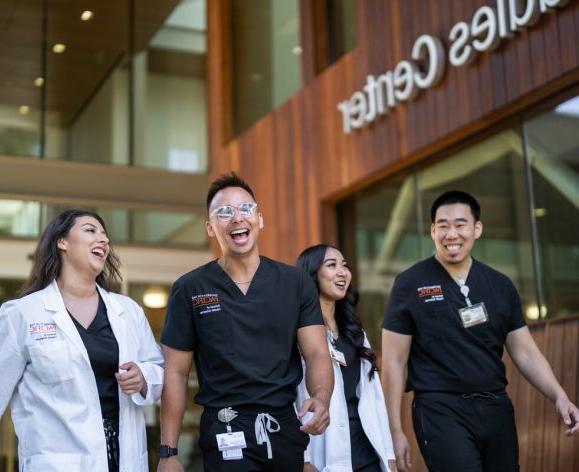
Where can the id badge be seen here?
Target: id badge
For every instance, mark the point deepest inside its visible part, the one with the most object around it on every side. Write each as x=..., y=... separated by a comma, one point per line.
x=232, y=454
x=338, y=356
x=230, y=441
x=473, y=315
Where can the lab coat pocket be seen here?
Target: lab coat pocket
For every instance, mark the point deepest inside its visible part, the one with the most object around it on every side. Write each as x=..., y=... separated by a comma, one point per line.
x=51, y=361
x=52, y=462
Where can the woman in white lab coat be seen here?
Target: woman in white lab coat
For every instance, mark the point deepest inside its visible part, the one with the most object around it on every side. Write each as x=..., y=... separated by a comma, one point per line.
x=77, y=360
x=358, y=418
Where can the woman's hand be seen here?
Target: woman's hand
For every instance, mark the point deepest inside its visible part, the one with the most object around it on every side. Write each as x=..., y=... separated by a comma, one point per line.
x=132, y=379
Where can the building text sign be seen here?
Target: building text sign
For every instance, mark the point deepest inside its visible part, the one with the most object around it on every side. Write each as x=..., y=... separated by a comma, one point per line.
x=427, y=63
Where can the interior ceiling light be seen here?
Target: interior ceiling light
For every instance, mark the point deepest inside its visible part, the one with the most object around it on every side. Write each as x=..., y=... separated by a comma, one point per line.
x=297, y=50
x=24, y=110
x=59, y=48
x=86, y=15
x=155, y=297
x=39, y=81
x=540, y=212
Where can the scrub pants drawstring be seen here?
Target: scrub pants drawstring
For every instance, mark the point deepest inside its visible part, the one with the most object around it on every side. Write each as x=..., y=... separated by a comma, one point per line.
x=265, y=423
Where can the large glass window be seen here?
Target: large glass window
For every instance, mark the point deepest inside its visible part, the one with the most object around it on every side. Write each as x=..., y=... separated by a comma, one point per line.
x=170, y=90
x=22, y=219
x=552, y=146
x=266, y=57
x=21, y=78
x=342, y=27
x=115, y=83
x=391, y=222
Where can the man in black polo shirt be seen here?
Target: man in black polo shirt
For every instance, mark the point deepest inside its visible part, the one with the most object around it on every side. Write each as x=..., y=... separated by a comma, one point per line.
x=242, y=318
x=447, y=321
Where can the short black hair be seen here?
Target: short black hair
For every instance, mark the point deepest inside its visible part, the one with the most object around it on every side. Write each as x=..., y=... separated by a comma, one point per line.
x=225, y=181
x=456, y=196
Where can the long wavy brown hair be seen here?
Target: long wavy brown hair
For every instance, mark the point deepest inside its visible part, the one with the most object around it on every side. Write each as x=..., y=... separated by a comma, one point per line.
x=47, y=262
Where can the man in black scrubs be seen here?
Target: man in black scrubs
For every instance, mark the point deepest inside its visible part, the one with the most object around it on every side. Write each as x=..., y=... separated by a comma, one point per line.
x=241, y=319
x=448, y=319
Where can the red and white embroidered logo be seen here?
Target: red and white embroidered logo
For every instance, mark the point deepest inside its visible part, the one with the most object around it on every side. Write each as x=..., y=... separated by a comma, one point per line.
x=431, y=293
x=42, y=331
x=206, y=303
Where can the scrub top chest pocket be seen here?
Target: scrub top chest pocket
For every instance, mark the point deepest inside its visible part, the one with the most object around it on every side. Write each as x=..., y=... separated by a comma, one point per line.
x=50, y=361
x=437, y=324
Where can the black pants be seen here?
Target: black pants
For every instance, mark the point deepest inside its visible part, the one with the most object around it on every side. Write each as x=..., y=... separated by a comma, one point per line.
x=111, y=426
x=288, y=444
x=472, y=432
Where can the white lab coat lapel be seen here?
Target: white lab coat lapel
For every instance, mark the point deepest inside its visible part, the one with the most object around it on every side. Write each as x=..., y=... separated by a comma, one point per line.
x=54, y=303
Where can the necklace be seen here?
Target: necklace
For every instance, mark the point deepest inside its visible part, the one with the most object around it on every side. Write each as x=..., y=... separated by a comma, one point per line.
x=224, y=267
x=461, y=281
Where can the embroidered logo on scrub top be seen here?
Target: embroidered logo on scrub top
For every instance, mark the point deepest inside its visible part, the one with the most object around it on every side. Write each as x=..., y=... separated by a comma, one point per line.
x=206, y=303
x=432, y=293
x=42, y=331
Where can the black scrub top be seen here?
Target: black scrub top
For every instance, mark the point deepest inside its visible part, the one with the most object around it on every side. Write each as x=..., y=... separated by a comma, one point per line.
x=444, y=355
x=245, y=346
x=103, y=353
x=362, y=452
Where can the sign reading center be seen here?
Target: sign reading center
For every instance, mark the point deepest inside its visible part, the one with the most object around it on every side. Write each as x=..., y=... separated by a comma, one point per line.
x=426, y=66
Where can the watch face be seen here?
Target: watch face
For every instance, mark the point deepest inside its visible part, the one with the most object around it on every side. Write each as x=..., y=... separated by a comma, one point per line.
x=167, y=451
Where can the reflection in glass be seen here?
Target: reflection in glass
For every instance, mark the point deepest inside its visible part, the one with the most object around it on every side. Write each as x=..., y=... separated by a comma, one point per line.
x=86, y=83
x=553, y=151
x=124, y=85
x=494, y=172
x=391, y=222
x=170, y=90
x=19, y=219
x=20, y=67
x=386, y=242
x=342, y=27
x=266, y=57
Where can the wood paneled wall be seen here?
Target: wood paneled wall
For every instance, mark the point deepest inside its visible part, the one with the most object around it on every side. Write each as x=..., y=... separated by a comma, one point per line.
x=298, y=158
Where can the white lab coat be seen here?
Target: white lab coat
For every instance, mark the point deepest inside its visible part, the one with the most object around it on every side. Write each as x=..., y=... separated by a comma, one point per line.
x=47, y=378
x=330, y=452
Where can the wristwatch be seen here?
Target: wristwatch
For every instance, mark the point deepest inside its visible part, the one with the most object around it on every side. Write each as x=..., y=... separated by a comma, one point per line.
x=167, y=451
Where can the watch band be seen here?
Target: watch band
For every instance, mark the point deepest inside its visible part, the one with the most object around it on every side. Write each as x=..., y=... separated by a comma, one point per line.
x=167, y=451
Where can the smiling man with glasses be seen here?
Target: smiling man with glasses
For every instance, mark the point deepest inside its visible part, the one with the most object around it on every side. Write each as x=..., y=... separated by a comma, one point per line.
x=242, y=318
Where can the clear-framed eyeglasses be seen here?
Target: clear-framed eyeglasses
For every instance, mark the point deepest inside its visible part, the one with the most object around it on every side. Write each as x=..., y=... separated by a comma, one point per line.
x=226, y=212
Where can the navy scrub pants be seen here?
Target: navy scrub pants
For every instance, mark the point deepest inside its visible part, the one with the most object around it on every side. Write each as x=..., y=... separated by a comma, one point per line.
x=287, y=445
x=470, y=432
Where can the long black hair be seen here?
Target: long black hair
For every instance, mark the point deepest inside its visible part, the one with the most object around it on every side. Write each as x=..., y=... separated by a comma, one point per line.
x=47, y=262
x=349, y=325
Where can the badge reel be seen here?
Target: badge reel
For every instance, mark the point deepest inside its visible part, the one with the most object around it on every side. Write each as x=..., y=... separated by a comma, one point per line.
x=231, y=444
x=472, y=315
x=336, y=355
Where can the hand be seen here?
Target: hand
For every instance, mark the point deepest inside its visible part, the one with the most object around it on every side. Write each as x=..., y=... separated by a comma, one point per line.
x=309, y=467
x=321, y=419
x=569, y=414
x=392, y=466
x=169, y=464
x=401, y=451
x=132, y=381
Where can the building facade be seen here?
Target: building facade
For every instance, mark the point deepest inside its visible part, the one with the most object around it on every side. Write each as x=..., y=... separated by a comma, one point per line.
x=395, y=102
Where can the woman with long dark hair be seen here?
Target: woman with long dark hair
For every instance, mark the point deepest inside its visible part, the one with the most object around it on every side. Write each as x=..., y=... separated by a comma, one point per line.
x=78, y=361
x=358, y=437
